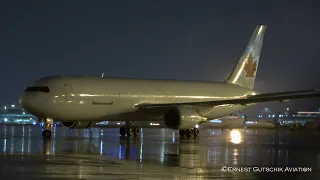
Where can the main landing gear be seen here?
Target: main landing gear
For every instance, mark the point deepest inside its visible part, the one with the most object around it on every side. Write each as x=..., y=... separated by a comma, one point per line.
x=47, y=127
x=189, y=132
x=129, y=131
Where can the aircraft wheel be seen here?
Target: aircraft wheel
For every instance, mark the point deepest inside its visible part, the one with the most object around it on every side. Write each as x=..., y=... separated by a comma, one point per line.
x=195, y=132
x=46, y=134
x=136, y=131
x=189, y=132
x=130, y=131
x=122, y=131
x=182, y=133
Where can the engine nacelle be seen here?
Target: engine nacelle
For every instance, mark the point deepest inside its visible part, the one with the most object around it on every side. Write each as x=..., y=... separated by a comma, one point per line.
x=182, y=118
x=76, y=124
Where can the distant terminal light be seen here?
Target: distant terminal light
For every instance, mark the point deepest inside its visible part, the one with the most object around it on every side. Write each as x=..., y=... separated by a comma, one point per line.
x=251, y=122
x=216, y=121
x=14, y=114
x=304, y=112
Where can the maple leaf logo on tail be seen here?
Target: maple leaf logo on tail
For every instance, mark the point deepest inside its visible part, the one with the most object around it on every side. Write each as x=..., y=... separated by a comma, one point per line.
x=244, y=73
x=250, y=67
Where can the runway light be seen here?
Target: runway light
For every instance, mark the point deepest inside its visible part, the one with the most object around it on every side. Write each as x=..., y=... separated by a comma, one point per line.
x=34, y=123
x=197, y=126
x=5, y=107
x=12, y=105
x=5, y=119
x=118, y=123
x=23, y=113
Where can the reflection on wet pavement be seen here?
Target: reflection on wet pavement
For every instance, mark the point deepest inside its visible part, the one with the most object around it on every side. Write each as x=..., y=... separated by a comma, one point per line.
x=156, y=154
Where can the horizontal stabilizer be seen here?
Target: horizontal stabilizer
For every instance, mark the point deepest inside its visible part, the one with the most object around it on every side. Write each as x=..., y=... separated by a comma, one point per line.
x=285, y=93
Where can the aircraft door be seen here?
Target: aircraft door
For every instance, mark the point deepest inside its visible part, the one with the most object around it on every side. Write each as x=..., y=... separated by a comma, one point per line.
x=68, y=93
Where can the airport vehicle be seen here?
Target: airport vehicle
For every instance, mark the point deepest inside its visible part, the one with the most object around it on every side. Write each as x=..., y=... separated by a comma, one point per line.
x=80, y=101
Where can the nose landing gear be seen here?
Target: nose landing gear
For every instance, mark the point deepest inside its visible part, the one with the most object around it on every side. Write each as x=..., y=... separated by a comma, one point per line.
x=46, y=133
x=47, y=127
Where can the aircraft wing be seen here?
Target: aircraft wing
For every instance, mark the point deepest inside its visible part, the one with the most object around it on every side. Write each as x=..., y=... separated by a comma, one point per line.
x=259, y=98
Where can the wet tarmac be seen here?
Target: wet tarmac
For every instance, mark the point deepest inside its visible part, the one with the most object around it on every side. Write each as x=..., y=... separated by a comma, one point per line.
x=99, y=153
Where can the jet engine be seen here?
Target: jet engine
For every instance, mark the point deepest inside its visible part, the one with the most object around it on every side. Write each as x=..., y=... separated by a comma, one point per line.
x=182, y=118
x=76, y=124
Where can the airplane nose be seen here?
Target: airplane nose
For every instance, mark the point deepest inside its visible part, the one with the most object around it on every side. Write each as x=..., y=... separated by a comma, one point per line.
x=22, y=101
x=32, y=103
x=27, y=103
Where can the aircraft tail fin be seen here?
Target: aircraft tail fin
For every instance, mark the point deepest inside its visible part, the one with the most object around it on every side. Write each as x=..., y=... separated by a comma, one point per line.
x=244, y=74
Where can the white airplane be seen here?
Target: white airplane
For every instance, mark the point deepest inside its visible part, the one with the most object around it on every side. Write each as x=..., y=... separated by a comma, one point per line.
x=78, y=102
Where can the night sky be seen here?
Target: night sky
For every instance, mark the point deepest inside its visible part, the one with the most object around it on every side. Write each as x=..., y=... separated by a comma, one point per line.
x=183, y=40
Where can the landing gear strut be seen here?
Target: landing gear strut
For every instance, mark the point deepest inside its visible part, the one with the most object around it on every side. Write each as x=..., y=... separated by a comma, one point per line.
x=189, y=132
x=129, y=131
x=47, y=127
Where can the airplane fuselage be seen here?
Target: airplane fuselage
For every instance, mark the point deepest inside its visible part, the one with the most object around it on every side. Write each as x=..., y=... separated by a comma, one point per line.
x=114, y=99
x=79, y=102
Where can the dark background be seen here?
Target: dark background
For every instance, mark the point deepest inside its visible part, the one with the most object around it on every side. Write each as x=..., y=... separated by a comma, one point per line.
x=183, y=40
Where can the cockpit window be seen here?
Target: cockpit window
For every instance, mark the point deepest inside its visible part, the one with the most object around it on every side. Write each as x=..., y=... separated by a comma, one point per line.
x=37, y=89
